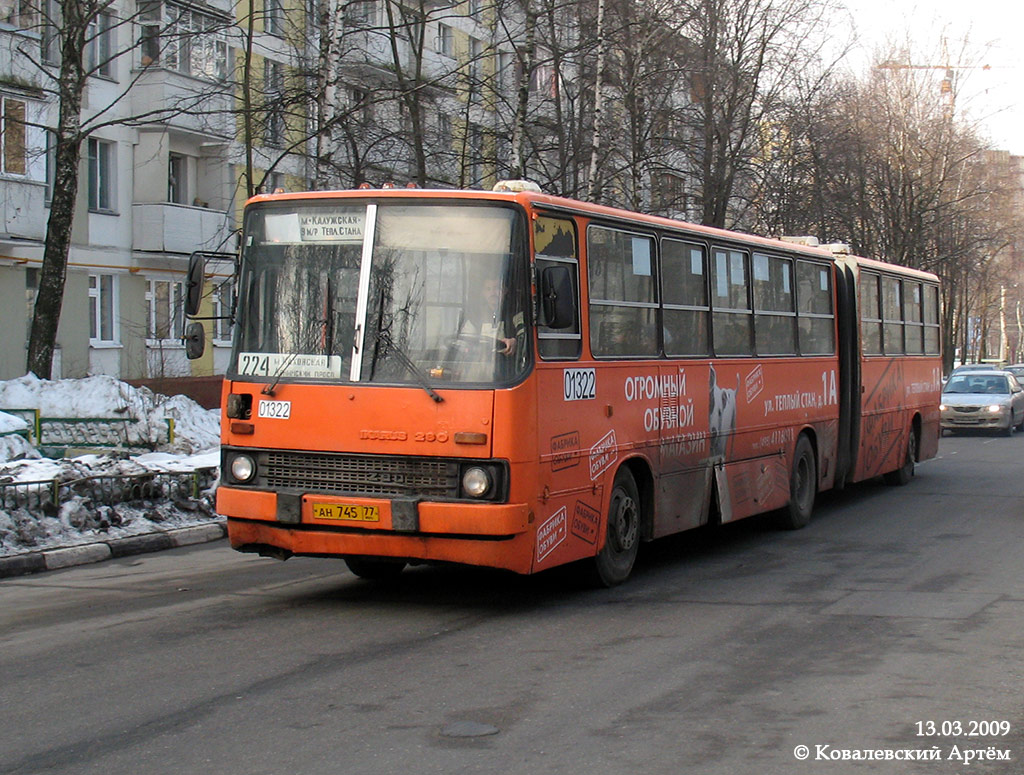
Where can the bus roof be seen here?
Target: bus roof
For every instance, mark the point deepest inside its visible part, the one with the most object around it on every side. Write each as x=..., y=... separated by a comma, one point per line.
x=578, y=207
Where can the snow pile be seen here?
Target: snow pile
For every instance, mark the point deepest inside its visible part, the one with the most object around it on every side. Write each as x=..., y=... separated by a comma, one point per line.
x=12, y=445
x=195, y=428
x=136, y=494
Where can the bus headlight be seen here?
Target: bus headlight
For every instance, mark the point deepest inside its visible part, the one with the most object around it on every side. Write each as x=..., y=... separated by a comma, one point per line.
x=243, y=468
x=476, y=482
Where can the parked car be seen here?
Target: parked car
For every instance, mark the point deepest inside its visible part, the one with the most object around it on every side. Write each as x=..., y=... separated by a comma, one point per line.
x=1017, y=370
x=982, y=399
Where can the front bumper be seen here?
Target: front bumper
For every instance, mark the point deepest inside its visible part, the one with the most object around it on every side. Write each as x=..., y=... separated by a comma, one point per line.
x=952, y=418
x=491, y=534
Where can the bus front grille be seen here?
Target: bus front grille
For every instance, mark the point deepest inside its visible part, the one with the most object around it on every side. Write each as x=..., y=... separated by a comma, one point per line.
x=382, y=476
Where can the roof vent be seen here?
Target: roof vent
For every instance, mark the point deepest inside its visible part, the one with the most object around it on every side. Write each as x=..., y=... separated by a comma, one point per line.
x=808, y=241
x=517, y=186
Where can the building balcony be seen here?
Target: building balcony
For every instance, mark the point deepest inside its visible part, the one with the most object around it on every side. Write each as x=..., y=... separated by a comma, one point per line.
x=172, y=228
x=23, y=208
x=191, y=104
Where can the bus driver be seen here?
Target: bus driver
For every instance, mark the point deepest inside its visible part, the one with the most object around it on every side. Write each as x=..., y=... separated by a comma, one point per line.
x=487, y=330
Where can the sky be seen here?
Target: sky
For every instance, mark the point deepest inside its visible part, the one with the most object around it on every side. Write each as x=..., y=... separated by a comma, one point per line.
x=977, y=33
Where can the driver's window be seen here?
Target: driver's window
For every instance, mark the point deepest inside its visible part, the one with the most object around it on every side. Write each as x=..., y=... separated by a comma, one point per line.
x=554, y=244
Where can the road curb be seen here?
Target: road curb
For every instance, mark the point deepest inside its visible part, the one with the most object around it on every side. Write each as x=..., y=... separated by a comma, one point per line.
x=69, y=556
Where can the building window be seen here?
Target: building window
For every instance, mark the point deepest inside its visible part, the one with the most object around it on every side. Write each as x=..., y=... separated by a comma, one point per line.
x=177, y=179
x=273, y=17
x=99, y=46
x=13, y=159
x=182, y=39
x=101, y=175
x=49, y=23
x=361, y=14
x=223, y=306
x=476, y=155
x=165, y=309
x=445, y=40
x=444, y=132
x=474, y=68
x=273, y=74
x=102, y=304
x=18, y=13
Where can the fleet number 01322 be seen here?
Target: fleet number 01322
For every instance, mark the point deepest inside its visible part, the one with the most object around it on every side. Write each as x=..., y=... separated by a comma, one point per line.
x=579, y=384
x=275, y=410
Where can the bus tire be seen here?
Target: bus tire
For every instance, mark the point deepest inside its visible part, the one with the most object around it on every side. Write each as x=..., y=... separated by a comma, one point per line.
x=613, y=564
x=803, y=486
x=905, y=472
x=374, y=570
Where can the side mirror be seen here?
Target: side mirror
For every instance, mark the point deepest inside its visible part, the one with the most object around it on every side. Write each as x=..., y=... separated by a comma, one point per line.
x=558, y=302
x=194, y=284
x=195, y=340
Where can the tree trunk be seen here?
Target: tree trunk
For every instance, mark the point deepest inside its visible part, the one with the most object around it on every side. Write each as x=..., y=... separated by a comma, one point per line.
x=50, y=298
x=593, y=185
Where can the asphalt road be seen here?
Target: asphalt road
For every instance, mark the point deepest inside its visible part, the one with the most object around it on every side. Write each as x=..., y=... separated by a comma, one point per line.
x=726, y=651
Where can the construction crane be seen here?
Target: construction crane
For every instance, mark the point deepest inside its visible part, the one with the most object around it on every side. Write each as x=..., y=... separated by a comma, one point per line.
x=946, y=86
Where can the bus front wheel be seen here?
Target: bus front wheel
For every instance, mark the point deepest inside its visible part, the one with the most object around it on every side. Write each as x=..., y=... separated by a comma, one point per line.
x=803, y=486
x=613, y=564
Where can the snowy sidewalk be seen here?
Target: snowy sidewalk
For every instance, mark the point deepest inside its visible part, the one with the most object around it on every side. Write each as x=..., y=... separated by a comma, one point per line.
x=84, y=554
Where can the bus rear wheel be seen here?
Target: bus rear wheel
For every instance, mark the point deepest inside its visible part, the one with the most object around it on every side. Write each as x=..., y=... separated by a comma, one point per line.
x=613, y=564
x=373, y=569
x=803, y=487
x=905, y=472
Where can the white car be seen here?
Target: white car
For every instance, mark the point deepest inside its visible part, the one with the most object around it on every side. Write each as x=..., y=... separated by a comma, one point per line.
x=982, y=400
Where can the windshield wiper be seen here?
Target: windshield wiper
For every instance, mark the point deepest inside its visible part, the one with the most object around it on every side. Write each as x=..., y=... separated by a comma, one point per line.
x=269, y=389
x=382, y=335
x=421, y=378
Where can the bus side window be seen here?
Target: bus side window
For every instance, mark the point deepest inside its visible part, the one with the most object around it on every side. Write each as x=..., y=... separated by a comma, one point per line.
x=870, y=314
x=931, y=320
x=914, y=326
x=892, y=327
x=685, y=295
x=731, y=330
x=623, y=293
x=774, y=309
x=816, y=325
x=554, y=242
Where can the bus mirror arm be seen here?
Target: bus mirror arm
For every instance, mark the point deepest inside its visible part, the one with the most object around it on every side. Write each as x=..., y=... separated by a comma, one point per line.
x=557, y=297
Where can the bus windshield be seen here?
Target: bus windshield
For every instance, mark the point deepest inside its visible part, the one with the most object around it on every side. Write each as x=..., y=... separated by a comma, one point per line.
x=397, y=293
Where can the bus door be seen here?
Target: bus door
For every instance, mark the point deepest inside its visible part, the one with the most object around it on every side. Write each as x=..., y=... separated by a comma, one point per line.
x=575, y=435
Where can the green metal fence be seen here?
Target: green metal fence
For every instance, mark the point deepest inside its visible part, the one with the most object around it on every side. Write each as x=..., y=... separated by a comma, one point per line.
x=55, y=435
x=47, y=495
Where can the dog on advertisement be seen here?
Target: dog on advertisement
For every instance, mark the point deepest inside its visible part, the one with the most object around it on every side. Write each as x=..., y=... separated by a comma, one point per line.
x=721, y=415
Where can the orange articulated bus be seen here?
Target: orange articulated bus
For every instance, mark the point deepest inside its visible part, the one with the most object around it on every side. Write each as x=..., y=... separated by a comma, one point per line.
x=515, y=380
